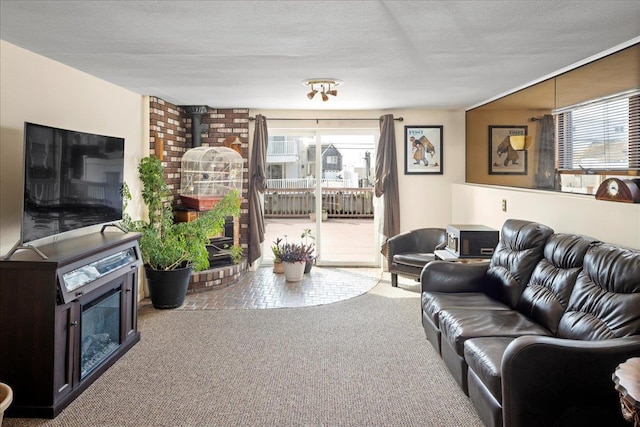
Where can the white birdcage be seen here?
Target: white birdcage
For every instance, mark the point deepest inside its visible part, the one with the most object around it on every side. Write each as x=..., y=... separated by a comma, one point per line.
x=208, y=173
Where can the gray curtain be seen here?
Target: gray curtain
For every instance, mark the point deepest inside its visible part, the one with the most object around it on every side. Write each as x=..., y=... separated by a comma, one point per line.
x=545, y=153
x=386, y=179
x=257, y=183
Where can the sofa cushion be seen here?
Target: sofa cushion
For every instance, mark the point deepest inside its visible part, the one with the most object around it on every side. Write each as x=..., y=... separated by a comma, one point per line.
x=605, y=300
x=434, y=302
x=484, y=357
x=520, y=248
x=414, y=259
x=459, y=325
x=546, y=296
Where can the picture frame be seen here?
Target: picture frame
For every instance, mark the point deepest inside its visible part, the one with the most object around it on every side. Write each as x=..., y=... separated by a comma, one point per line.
x=503, y=159
x=423, y=150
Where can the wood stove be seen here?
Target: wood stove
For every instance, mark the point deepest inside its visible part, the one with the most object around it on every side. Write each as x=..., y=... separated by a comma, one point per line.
x=219, y=254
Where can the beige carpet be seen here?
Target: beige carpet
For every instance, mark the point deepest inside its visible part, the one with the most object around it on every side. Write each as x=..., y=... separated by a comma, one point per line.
x=360, y=362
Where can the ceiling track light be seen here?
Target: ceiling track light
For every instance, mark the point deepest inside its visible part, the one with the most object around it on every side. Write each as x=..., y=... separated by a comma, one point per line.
x=324, y=95
x=311, y=94
x=325, y=85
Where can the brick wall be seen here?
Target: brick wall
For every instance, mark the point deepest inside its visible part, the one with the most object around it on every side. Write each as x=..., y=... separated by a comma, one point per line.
x=170, y=129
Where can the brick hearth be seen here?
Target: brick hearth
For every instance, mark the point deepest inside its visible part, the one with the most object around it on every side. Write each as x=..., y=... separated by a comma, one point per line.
x=216, y=278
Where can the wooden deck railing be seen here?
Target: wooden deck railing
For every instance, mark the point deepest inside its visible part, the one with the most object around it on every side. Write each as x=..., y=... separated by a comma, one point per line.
x=337, y=202
x=306, y=183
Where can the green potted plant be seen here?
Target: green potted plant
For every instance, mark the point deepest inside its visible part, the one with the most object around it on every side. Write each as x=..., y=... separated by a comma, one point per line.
x=306, y=235
x=276, y=250
x=236, y=253
x=171, y=251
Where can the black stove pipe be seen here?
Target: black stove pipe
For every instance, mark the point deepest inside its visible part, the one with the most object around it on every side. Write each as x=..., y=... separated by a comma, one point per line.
x=197, y=127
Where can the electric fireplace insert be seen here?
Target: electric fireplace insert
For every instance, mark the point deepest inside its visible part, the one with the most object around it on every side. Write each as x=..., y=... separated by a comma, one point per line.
x=66, y=318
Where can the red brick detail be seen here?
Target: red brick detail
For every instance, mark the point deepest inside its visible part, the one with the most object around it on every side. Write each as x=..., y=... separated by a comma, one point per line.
x=216, y=278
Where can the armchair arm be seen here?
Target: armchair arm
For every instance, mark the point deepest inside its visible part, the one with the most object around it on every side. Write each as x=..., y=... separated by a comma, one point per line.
x=441, y=246
x=553, y=381
x=445, y=276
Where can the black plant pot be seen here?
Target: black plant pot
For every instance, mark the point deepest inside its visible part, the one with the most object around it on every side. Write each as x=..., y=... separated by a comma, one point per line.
x=307, y=267
x=168, y=288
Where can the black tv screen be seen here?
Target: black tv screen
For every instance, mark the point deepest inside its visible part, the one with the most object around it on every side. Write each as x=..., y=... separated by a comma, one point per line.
x=72, y=180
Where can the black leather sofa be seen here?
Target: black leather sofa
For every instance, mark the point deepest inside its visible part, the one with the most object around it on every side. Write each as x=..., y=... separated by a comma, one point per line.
x=534, y=336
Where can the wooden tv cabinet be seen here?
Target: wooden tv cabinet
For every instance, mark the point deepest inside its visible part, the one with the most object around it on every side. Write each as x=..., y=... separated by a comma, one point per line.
x=65, y=319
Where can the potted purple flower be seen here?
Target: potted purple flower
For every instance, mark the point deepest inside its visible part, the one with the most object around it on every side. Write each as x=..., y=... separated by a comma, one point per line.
x=294, y=258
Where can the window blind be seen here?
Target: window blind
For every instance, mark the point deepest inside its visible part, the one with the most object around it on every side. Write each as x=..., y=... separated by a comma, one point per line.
x=603, y=134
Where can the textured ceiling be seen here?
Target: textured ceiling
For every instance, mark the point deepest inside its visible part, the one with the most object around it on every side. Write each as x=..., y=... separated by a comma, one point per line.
x=255, y=54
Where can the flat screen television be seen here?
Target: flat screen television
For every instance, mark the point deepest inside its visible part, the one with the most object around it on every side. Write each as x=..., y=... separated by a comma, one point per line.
x=72, y=180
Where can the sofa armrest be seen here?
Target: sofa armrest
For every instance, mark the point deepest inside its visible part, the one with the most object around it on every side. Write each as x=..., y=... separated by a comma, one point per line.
x=553, y=381
x=445, y=276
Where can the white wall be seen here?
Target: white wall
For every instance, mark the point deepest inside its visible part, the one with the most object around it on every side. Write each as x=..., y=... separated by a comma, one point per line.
x=39, y=90
x=438, y=200
x=425, y=200
x=617, y=223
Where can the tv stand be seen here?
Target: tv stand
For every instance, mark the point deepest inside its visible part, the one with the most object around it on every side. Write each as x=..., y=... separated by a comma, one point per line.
x=65, y=319
x=19, y=246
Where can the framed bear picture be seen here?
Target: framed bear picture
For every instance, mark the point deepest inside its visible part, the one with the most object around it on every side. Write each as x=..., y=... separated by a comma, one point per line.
x=503, y=158
x=422, y=150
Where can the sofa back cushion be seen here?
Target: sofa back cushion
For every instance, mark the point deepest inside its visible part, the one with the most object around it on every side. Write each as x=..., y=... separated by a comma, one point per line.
x=520, y=248
x=605, y=301
x=546, y=296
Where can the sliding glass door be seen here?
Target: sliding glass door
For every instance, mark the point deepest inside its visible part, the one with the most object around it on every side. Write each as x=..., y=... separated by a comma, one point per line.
x=322, y=182
x=345, y=167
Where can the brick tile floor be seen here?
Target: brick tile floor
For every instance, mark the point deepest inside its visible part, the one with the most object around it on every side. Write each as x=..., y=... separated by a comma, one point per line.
x=262, y=289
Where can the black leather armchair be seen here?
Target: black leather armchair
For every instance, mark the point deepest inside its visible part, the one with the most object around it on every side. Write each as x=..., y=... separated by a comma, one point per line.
x=409, y=252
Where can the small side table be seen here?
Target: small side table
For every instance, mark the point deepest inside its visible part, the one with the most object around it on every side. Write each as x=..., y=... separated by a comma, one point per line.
x=627, y=380
x=444, y=255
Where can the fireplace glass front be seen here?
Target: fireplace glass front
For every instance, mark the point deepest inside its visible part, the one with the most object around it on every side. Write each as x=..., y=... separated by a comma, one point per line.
x=100, y=331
